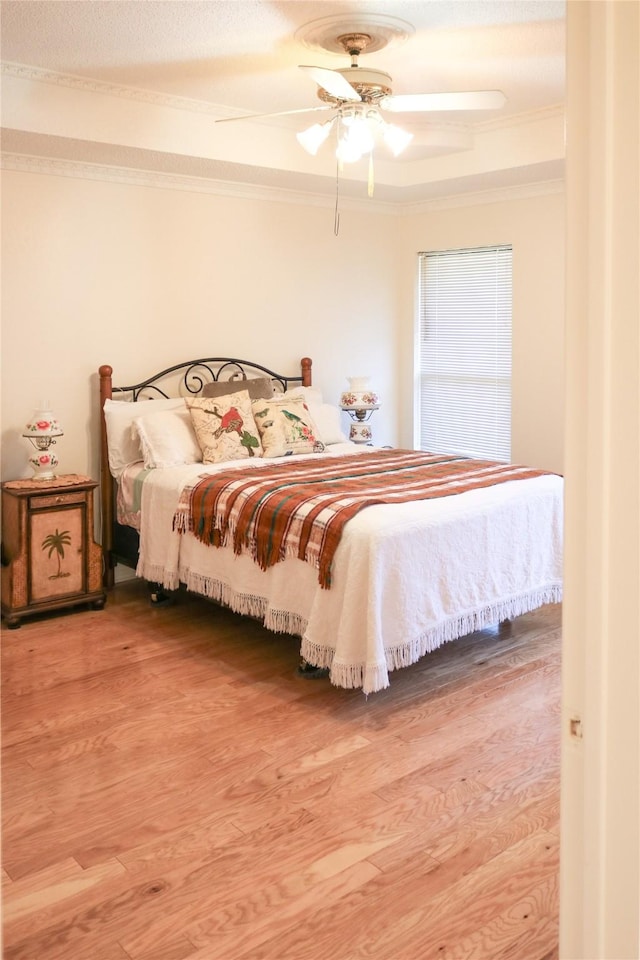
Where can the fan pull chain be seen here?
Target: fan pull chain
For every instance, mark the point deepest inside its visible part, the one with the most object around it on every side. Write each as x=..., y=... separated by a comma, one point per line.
x=370, y=180
x=336, y=214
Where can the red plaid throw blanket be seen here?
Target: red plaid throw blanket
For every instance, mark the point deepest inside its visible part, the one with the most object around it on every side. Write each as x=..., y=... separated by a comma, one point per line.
x=299, y=508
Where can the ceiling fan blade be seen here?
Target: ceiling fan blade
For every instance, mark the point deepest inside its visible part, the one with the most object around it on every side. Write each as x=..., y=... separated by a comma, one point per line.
x=474, y=100
x=280, y=113
x=333, y=82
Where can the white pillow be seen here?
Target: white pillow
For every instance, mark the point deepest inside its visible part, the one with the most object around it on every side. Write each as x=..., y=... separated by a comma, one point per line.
x=167, y=439
x=308, y=394
x=328, y=421
x=119, y=416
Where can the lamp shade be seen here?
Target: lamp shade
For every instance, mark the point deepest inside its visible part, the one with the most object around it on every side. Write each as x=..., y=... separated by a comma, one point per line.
x=313, y=138
x=359, y=396
x=43, y=423
x=396, y=138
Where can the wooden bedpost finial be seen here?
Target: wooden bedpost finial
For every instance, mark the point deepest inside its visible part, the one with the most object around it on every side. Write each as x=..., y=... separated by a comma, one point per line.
x=305, y=365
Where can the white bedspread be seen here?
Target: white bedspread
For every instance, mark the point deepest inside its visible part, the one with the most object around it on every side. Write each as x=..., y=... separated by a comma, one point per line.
x=406, y=577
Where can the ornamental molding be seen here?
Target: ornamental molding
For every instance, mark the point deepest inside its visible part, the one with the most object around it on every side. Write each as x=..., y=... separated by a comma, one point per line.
x=521, y=119
x=94, y=171
x=22, y=163
x=525, y=191
x=21, y=71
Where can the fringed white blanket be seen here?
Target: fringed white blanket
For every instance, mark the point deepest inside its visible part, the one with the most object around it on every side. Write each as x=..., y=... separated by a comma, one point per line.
x=406, y=577
x=300, y=508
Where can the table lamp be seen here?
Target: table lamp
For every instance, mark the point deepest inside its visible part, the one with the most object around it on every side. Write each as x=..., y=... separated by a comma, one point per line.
x=42, y=430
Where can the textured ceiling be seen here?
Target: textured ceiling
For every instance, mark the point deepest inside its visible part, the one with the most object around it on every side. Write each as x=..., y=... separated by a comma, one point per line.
x=240, y=56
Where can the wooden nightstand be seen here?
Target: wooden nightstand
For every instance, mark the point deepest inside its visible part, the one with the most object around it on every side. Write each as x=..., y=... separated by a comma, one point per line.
x=49, y=557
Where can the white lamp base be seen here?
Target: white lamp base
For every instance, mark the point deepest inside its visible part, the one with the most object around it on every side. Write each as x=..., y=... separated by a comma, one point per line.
x=360, y=433
x=44, y=465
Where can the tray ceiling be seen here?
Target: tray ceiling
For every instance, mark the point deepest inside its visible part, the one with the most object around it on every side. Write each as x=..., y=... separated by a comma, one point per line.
x=138, y=84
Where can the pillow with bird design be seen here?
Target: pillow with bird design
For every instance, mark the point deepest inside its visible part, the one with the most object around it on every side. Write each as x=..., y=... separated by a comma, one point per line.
x=225, y=427
x=286, y=427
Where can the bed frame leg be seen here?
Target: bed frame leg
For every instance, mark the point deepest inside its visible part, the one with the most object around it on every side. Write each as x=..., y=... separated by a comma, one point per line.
x=158, y=596
x=309, y=672
x=108, y=578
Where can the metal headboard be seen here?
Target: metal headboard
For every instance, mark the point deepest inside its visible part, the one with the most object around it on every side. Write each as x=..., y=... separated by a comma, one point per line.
x=192, y=375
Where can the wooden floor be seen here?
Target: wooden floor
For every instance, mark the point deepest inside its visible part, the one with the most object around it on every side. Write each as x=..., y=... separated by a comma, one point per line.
x=173, y=791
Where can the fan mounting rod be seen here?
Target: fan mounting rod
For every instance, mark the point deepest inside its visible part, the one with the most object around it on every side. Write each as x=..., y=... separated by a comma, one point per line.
x=371, y=85
x=353, y=44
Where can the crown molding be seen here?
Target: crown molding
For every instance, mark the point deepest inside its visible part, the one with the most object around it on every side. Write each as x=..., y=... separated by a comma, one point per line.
x=143, y=178
x=22, y=163
x=525, y=191
x=554, y=112
x=21, y=71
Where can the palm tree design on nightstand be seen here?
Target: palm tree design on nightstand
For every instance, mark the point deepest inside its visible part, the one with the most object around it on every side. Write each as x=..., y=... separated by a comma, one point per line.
x=57, y=542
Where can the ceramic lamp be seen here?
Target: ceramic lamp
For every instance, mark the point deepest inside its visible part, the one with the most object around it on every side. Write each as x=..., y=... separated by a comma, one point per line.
x=42, y=430
x=359, y=401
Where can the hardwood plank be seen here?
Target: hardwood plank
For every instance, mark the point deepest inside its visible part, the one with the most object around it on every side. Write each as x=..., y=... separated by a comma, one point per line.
x=48, y=888
x=172, y=790
x=139, y=809
x=502, y=938
x=174, y=948
x=241, y=928
x=111, y=950
x=196, y=888
x=399, y=928
x=484, y=892
x=476, y=825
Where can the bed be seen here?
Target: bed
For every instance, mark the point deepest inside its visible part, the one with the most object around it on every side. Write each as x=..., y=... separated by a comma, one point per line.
x=405, y=575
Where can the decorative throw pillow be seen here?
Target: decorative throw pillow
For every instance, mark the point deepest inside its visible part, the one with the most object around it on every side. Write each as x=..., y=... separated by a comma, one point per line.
x=327, y=417
x=286, y=427
x=258, y=388
x=167, y=439
x=225, y=427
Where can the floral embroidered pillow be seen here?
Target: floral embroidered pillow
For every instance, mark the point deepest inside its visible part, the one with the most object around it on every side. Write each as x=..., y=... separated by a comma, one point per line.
x=224, y=427
x=286, y=427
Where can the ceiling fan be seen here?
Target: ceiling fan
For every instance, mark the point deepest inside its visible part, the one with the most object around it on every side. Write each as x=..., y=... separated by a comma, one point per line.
x=358, y=96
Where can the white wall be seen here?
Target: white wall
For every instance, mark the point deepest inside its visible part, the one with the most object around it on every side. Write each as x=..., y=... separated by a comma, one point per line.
x=535, y=227
x=142, y=276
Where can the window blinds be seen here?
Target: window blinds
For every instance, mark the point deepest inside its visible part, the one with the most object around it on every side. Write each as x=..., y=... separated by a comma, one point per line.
x=465, y=352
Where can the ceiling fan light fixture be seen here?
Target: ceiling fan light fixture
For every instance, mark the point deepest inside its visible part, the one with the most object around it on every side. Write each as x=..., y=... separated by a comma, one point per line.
x=348, y=150
x=313, y=137
x=359, y=114
x=357, y=128
x=396, y=138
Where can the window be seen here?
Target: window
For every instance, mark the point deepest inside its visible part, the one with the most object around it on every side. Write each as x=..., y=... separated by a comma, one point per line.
x=464, y=342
